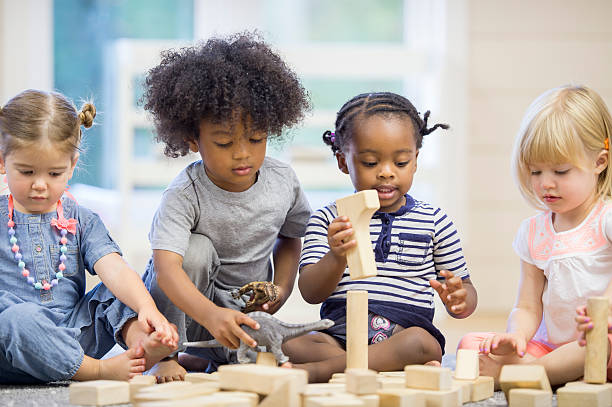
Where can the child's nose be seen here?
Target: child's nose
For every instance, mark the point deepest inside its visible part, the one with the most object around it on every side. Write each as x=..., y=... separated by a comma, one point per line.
x=241, y=150
x=39, y=184
x=386, y=171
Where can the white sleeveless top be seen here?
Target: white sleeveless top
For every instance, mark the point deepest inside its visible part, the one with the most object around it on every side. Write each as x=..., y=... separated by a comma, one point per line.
x=577, y=264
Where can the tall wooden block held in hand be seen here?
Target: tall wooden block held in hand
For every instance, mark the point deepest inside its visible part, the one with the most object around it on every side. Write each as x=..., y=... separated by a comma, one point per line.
x=359, y=208
x=357, y=329
x=596, y=360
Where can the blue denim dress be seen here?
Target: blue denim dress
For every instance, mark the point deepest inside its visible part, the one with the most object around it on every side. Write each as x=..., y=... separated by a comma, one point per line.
x=45, y=334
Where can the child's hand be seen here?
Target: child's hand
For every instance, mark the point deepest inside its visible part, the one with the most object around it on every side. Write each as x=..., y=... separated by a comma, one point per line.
x=584, y=324
x=272, y=306
x=155, y=321
x=337, y=236
x=503, y=344
x=224, y=325
x=451, y=292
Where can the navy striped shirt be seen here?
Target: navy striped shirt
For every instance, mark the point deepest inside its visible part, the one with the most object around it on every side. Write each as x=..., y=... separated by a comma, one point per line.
x=411, y=246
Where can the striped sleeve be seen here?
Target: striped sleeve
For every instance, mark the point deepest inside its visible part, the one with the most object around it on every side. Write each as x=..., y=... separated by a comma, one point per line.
x=315, y=240
x=447, y=251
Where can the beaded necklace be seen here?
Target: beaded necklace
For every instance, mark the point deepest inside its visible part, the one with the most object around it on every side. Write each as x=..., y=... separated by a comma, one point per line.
x=63, y=225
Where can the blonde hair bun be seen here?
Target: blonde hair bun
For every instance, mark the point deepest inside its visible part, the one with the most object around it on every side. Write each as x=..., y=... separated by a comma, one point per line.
x=87, y=115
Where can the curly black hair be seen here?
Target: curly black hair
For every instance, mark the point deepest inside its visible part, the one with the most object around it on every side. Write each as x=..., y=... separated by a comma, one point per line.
x=218, y=80
x=370, y=104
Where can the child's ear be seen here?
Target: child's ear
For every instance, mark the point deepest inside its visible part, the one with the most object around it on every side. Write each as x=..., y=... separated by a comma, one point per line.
x=193, y=146
x=342, y=162
x=2, y=166
x=601, y=163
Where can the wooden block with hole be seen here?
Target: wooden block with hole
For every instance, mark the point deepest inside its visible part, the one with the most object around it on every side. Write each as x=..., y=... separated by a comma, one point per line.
x=529, y=398
x=523, y=377
x=467, y=367
x=596, y=359
x=428, y=377
x=260, y=379
x=99, y=392
x=359, y=208
x=584, y=394
x=361, y=381
x=400, y=398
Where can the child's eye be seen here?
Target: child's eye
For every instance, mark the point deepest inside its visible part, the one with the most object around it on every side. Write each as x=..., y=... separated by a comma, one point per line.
x=369, y=163
x=402, y=163
x=26, y=172
x=256, y=140
x=536, y=172
x=224, y=145
x=561, y=172
x=55, y=174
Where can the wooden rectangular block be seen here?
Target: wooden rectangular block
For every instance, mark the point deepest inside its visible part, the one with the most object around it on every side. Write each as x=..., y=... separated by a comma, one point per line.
x=530, y=398
x=266, y=359
x=174, y=391
x=357, y=329
x=391, y=382
x=197, y=377
x=482, y=388
x=332, y=401
x=99, y=392
x=260, y=379
x=584, y=394
x=220, y=399
x=428, y=377
x=465, y=387
x=139, y=382
x=523, y=376
x=467, y=367
x=401, y=398
x=324, y=389
x=359, y=208
x=369, y=400
x=361, y=381
x=596, y=359
x=442, y=398
x=285, y=395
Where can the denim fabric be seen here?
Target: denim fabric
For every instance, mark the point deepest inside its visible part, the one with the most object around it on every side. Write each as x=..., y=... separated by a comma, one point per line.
x=44, y=334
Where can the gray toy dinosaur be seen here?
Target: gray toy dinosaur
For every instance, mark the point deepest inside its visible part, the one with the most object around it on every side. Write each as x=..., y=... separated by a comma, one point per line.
x=272, y=333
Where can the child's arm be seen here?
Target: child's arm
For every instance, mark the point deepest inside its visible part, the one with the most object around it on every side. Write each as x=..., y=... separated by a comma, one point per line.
x=286, y=256
x=525, y=318
x=458, y=295
x=222, y=323
x=127, y=286
x=317, y=281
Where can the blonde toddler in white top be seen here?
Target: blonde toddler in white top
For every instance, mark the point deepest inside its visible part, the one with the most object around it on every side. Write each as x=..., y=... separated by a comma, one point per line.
x=560, y=162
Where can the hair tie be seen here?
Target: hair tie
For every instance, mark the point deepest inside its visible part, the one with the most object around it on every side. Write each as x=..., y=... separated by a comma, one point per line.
x=332, y=137
x=425, y=131
x=607, y=143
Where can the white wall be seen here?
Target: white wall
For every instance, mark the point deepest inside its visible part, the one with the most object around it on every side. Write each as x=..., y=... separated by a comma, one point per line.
x=26, y=46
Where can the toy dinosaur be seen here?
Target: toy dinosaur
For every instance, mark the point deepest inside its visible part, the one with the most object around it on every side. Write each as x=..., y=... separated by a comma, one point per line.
x=260, y=292
x=272, y=333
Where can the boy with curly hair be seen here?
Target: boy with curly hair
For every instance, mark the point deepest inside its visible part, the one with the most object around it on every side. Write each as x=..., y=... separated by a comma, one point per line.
x=222, y=217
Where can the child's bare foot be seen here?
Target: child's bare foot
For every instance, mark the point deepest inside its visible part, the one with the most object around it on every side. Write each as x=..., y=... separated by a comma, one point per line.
x=490, y=367
x=124, y=366
x=168, y=371
x=154, y=349
x=433, y=363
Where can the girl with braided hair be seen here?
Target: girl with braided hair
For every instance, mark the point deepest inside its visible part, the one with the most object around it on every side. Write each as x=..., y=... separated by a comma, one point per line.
x=50, y=329
x=417, y=249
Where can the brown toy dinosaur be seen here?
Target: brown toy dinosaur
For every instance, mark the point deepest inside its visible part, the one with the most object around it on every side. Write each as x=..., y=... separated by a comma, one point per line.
x=260, y=292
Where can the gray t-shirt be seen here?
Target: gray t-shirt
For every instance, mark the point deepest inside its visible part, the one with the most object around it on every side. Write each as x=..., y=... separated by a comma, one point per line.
x=243, y=226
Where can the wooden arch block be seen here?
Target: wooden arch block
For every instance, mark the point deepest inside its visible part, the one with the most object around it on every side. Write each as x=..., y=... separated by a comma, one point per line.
x=359, y=208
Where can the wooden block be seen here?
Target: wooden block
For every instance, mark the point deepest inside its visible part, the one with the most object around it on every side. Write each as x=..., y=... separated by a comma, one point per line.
x=523, y=376
x=391, y=382
x=596, y=359
x=220, y=399
x=259, y=379
x=331, y=401
x=584, y=394
x=99, y=392
x=399, y=373
x=357, y=329
x=174, y=391
x=465, y=387
x=361, y=381
x=400, y=398
x=340, y=380
x=482, y=388
x=530, y=398
x=285, y=395
x=324, y=389
x=428, y=377
x=359, y=208
x=139, y=382
x=197, y=377
x=339, y=376
x=369, y=400
x=442, y=398
x=266, y=359
x=467, y=367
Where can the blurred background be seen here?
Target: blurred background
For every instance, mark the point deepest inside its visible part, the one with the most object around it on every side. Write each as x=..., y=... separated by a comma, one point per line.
x=476, y=64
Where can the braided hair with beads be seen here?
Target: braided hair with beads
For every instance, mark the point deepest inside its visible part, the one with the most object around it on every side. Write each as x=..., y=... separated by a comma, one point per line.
x=370, y=104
